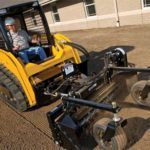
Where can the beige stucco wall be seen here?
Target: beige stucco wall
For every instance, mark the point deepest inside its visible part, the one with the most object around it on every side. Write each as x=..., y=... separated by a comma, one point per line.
x=129, y=12
x=73, y=17
x=106, y=13
x=128, y=5
x=104, y=7
x=70, y=10
x=130, y=20
x=146, y=16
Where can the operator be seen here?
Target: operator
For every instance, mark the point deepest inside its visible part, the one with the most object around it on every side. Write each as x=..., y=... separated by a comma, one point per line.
x=20, y=40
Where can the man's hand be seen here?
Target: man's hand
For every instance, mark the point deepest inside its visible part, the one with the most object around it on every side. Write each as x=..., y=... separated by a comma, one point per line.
x=16, y=48
x=36, y=39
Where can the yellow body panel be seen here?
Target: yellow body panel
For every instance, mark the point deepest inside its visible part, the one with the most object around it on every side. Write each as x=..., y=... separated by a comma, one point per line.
x=48, y=73
x=60, y=53
x=14, y=66
x=32, y=73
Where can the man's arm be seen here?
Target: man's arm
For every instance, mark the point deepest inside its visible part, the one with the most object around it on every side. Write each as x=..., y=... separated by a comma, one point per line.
x=26, y=35
x=34, y=40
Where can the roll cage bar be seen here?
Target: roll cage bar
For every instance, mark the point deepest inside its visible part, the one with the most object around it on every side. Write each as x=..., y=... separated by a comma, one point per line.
x=17, y=10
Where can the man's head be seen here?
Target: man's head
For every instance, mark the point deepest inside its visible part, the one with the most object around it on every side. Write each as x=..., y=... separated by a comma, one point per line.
x=10, y=24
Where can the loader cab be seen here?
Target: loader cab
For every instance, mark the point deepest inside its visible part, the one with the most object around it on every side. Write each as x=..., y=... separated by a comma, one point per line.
x=29, y=17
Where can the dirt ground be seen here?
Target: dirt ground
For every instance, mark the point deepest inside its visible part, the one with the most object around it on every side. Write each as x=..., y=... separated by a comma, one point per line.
x=18, y=133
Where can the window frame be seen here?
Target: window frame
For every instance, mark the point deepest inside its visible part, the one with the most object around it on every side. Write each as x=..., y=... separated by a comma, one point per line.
x=2, y=40
x=143, y=6
x=86, y=8
x=5, y=38
x=55, y=13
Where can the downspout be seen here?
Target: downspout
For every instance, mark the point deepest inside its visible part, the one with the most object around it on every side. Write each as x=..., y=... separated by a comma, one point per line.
x=142, y=5
x=117, y=13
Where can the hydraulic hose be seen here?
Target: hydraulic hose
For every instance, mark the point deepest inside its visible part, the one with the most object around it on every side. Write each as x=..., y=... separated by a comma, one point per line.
x=80, y=48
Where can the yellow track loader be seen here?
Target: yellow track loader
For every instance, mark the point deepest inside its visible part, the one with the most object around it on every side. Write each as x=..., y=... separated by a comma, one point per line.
x=21, y=84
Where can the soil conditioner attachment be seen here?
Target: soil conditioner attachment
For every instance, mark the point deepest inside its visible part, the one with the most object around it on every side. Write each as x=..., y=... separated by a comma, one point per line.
x=75, y=117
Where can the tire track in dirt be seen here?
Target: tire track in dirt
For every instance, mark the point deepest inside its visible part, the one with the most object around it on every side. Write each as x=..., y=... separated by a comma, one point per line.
x=18, y=132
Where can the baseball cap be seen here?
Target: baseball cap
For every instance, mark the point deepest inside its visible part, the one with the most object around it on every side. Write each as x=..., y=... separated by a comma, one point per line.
x=9, y=21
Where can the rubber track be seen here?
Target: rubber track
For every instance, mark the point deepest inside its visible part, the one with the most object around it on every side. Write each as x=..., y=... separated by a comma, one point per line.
x=10, y=82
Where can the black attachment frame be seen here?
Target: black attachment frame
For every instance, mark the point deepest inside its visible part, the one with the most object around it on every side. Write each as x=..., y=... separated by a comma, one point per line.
x=110, y=131
x=89, y=103
x=61, y=112
x=130, y=69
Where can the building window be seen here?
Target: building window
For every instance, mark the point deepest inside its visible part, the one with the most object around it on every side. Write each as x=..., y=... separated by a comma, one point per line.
x=90, y=7
x=146, y=3
x=55, y=14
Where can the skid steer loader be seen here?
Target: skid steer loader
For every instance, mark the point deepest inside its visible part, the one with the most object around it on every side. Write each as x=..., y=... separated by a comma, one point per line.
x=22, y=85
x=62, y=75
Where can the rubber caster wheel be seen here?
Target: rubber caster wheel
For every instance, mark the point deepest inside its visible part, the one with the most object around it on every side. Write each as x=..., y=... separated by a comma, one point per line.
x=136, y=91
x=118, y=142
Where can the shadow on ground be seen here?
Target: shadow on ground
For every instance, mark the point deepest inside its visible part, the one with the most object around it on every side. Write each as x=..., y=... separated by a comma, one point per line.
x=96, y=62
x=144, y=76
x=135, y=129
